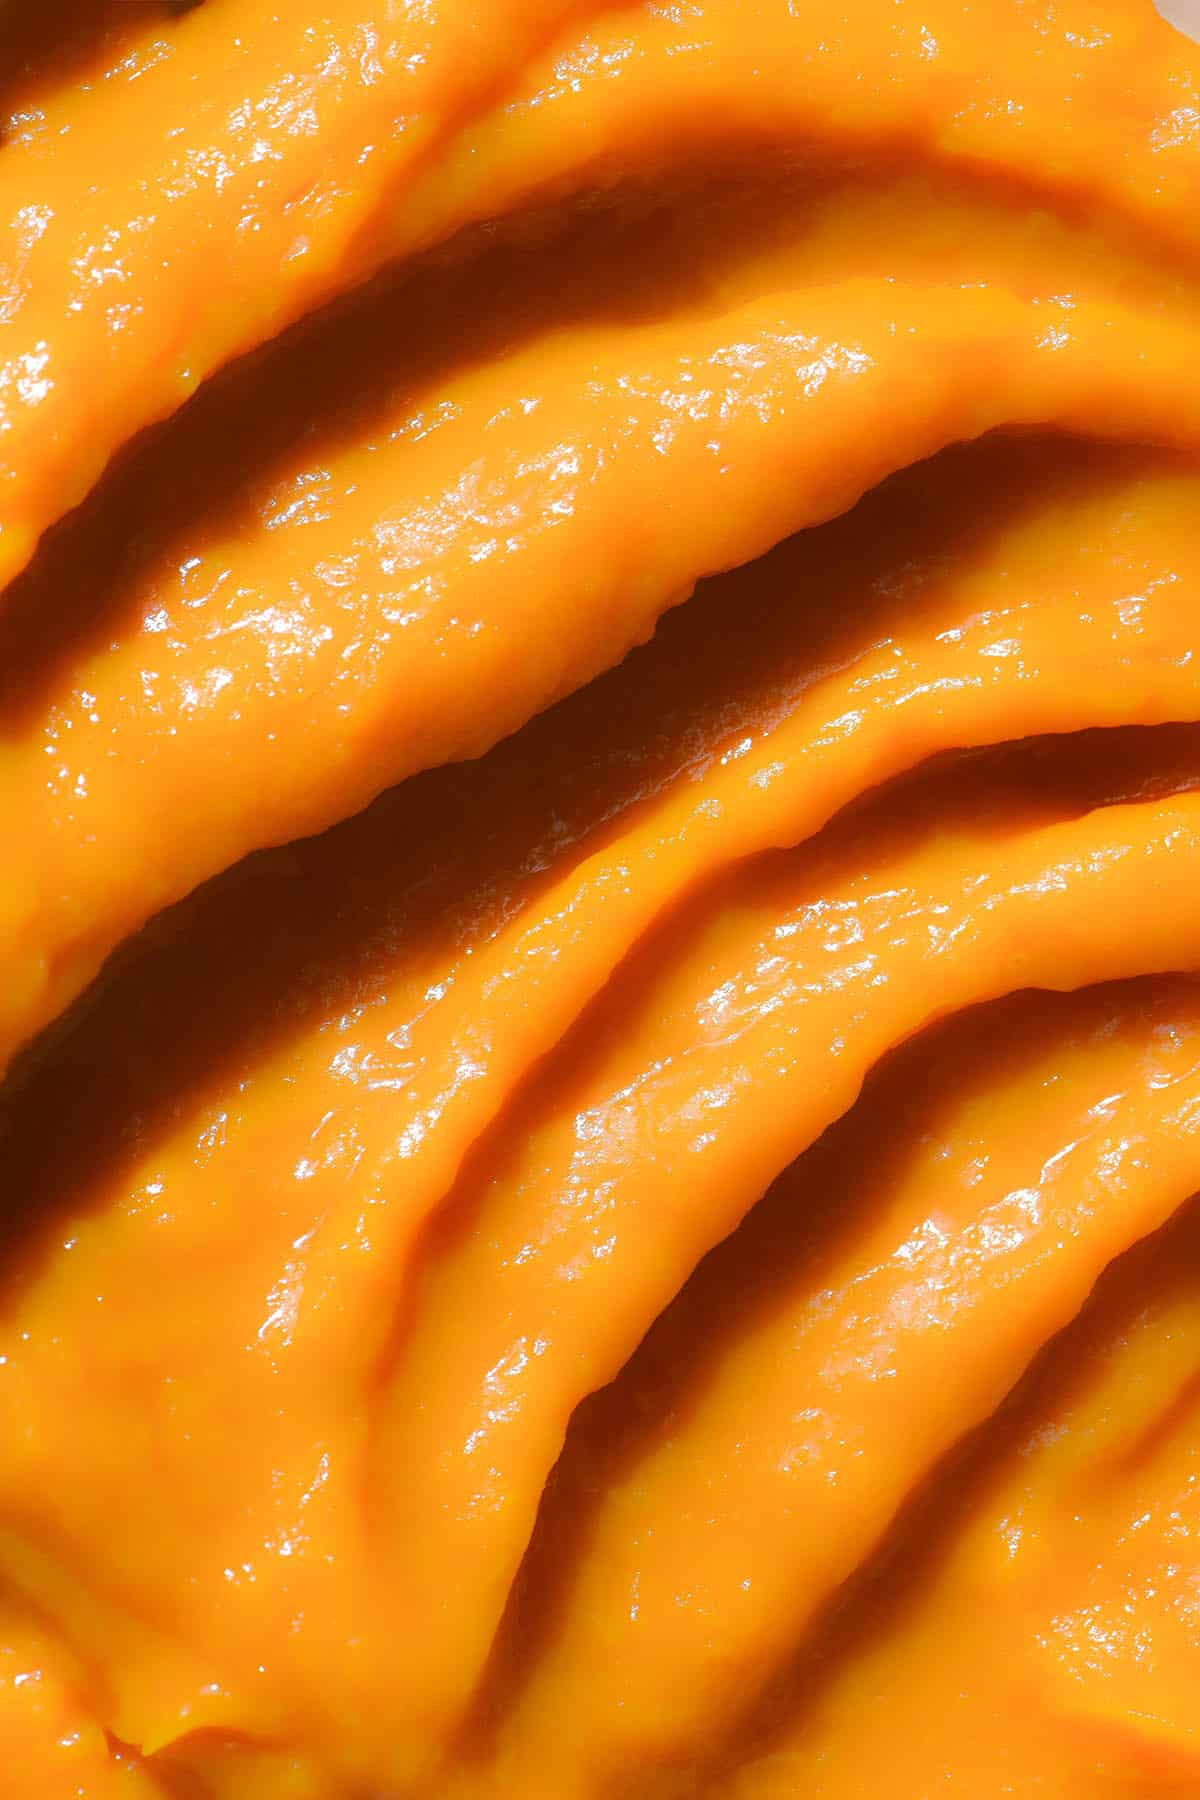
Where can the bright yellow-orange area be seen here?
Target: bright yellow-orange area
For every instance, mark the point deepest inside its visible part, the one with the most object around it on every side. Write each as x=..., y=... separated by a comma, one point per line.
x=599, y=941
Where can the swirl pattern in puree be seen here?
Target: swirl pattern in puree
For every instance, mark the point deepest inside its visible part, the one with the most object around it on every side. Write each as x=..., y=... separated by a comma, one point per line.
x=598, y=880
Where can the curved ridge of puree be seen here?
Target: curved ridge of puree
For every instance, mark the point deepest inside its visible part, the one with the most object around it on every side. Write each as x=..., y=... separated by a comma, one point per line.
x=490, y=587
x=266, y=165
x=599, y=831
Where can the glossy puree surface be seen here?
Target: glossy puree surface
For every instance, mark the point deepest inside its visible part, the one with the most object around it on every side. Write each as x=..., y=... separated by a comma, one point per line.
x=599, y=928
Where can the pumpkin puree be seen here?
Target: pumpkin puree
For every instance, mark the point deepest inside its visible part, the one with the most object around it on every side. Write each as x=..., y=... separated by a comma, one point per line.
x=599, y=957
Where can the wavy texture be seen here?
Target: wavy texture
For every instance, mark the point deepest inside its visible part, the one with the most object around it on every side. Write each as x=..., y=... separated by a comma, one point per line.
x=418, y=1001
x=882, y=1302
x=252, y=177
x=747, y=575
x=336, y=615
x=340, y=649
x=1076, y=1511
x=267, y=166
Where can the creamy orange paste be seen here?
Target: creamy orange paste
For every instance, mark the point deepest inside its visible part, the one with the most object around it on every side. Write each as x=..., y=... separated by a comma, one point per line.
x=599, y=854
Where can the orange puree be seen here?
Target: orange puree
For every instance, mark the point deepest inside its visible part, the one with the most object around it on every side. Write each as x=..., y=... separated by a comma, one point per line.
x=599, y=957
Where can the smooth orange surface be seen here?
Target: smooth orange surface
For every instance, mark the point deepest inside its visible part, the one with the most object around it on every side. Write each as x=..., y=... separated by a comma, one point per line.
x=598, y=938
